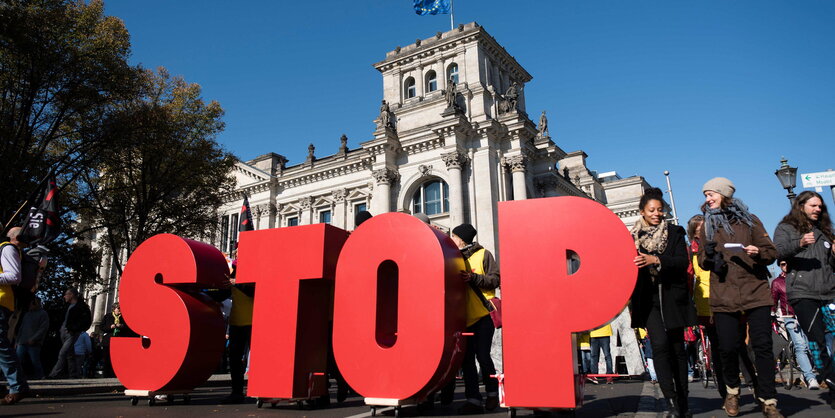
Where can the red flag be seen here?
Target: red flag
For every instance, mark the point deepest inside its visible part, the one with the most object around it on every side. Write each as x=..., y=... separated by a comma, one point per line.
x=245, y=218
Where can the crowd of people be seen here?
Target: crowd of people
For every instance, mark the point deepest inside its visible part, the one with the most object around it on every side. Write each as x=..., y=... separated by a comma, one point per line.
x=720, y=284
x=710, y=282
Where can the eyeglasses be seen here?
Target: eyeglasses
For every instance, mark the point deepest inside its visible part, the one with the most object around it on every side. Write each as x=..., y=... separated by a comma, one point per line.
x=783, y=264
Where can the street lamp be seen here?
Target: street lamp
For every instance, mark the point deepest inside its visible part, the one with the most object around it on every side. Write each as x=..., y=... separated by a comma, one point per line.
x=788, y=178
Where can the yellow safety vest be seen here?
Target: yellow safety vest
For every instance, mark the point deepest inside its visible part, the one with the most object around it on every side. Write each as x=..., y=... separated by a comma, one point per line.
x=701, y=289
x=475, y=308
x=604, y=331
x=241, y=315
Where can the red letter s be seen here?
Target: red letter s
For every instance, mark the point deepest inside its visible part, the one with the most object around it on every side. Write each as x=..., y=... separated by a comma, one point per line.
x=184, y=330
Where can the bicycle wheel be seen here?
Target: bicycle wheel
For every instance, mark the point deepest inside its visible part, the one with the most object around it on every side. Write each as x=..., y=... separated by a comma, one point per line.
x=703, y=366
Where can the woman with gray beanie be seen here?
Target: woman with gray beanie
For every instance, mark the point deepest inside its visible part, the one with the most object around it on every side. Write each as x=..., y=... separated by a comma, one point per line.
x=737, y=250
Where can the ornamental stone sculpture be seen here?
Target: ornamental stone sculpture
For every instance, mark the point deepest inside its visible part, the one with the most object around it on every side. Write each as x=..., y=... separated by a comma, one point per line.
x=386, y=117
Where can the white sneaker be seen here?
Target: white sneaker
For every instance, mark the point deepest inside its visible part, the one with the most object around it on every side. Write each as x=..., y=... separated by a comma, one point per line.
x=812, y=384
x=689, y=378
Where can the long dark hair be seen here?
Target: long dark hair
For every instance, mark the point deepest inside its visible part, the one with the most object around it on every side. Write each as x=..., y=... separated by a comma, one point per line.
x=798, y=219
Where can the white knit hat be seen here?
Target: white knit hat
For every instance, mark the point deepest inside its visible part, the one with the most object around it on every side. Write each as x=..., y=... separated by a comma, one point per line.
x=720, y=185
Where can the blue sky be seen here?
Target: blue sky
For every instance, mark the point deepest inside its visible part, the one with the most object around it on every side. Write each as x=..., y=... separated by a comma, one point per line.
x=700, y=88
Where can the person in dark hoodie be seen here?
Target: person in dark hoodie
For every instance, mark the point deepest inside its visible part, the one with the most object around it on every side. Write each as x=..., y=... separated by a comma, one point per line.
x=804, y=239
x=77, y=319
x=482, y=274
x=30, y=337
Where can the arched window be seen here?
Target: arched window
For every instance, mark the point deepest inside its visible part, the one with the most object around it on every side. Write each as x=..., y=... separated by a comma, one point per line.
x=452, y=72
x=409, y=88
x=431, y=198
x=431, y=81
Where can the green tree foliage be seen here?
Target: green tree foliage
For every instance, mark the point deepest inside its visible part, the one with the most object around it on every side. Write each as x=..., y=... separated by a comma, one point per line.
x=134, y=150
x=165, y=172
x=62, y=66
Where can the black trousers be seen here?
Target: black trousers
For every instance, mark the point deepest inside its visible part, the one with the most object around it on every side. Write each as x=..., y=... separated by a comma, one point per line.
x=809, y=315
x=669, y=357
x=66, y=356
x=730, y=328
x=478, y=347
x=239, y=337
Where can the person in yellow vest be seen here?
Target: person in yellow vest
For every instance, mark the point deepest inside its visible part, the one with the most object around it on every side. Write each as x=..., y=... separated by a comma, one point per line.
x=10, y=274
x=482, y=274
x=240, y=333
x=584, y=347
x=600, y=339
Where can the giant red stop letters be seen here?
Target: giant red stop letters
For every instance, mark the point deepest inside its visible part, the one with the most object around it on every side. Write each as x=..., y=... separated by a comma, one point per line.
x=398, y=310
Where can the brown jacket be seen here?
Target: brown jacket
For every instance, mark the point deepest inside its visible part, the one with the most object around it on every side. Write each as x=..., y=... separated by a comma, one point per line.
x=743, y=284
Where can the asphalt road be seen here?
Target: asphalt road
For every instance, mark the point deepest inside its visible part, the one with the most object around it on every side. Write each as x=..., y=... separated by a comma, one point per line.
x=624, y=398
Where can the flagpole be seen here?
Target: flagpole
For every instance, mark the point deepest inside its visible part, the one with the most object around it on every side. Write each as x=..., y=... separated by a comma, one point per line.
x=451, y=14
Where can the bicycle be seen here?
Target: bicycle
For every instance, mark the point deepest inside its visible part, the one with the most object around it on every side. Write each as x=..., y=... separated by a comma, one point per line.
x=786, y=358
x=705, y=362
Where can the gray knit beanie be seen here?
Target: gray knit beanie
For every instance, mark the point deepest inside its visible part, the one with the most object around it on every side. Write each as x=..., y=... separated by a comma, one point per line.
x=720, y=185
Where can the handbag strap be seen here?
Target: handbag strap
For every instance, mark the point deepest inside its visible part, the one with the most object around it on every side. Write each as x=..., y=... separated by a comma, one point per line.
x=487, y=305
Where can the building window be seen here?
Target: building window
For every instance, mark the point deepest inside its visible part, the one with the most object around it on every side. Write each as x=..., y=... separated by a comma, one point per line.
x=431, y=198
x=431, y=81
x=294, y=221
x=233, y=232
x=452, y=72
x=409, y=88
x=359, y=207
x=224, y=233
x=325, y=217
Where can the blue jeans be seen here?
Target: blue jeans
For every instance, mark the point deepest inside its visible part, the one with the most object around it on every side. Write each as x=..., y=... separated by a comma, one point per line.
x=8, y=359
x=585, y=359
x=33, y=353
x=598, y=343
x=801, y=352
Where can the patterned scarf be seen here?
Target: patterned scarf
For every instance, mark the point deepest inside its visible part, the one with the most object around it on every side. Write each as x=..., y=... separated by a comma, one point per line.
x=721, y=218
x=650, y=239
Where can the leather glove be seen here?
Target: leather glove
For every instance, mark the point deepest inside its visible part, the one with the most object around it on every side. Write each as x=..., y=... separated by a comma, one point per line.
x=719, y=265
x=710, y=249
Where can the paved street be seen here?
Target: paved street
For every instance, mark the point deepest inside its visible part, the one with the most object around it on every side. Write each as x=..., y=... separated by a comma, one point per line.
x=624, y=398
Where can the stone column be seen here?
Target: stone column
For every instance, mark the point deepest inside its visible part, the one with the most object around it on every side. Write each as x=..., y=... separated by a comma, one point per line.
x=517, y=167
x=338, y=216
x=383, y=177
x=454, y=160
x=306, y=216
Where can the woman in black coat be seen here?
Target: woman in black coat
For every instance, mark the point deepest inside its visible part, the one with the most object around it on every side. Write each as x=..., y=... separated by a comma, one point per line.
x=661, y=302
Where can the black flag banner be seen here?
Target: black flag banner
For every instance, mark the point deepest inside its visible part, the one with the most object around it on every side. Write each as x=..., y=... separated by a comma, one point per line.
x=42, y=224
x=245, y=218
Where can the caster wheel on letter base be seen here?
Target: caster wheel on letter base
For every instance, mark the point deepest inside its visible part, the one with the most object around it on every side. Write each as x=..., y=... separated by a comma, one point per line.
x=134, y=400
x=152, y=401
x=511, y=412
x=259, y=403
x=373, y=411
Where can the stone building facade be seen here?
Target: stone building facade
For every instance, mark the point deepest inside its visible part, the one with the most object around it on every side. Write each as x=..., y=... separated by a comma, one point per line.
x=453, y=138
